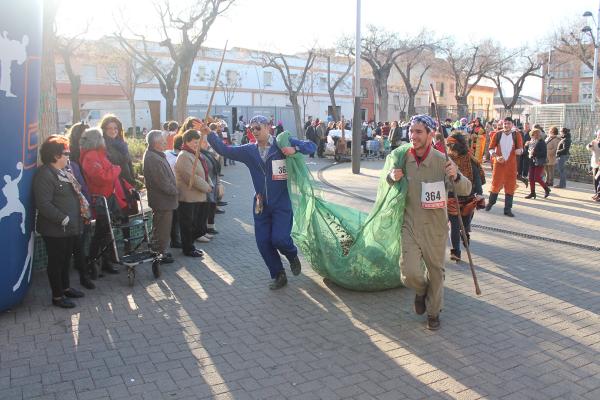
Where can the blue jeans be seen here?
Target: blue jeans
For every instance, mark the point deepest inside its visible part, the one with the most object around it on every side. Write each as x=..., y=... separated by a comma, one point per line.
x=562, y=161
x=455, y=236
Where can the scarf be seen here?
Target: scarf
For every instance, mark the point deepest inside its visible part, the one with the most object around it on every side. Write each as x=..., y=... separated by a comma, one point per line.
x=84, y=206
x=417, y=158
x=202, y=160
x=118, y=144
x=463, y=163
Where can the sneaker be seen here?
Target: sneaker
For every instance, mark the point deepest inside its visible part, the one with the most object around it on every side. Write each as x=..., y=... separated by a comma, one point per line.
x=219, y=211
x=295, y=266
x=74, y=293
x=166, y=258
x=203, y=239
x=279, y=282
x=222, y=203
x=419, y=305
x=194, y=253
x=212, y=231
x=509, y=213
x=208, y=235
x=433, y=323
x=63, y=302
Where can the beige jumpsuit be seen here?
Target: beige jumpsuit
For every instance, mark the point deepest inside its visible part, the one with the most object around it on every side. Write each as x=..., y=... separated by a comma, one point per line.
x=425, y=231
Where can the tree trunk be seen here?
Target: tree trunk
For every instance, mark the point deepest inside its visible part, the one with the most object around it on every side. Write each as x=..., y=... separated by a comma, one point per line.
x=48, y=112
x=169, y=105
x=411, y=104
x=382, y=93
x=182, y=91
x=75, y=85
x=462, y=106
x=333, y=105
x=132, y=113
x=297, y=117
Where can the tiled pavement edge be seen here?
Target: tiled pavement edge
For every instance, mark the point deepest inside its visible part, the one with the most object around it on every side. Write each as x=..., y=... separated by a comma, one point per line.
x=212, y=329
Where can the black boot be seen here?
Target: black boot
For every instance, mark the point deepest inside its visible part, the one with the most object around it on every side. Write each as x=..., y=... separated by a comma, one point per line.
x=491, y=201
x=508, y=203
x=107, y=265
x=84, y=276
x=547, y=191
x=530, y=195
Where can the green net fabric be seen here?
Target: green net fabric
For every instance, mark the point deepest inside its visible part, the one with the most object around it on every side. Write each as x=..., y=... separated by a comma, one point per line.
x=353, y=249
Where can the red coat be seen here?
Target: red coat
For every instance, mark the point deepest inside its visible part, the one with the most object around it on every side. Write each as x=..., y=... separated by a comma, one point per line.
x=100, y=174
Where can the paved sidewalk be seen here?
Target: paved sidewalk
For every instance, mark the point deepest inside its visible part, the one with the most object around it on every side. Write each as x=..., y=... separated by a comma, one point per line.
x=212, y=329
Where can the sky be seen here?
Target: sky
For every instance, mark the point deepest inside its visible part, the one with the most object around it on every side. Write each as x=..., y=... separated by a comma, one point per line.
x=294, y=26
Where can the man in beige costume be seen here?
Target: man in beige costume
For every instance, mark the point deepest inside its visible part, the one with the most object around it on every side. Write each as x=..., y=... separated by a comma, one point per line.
x=425, y=227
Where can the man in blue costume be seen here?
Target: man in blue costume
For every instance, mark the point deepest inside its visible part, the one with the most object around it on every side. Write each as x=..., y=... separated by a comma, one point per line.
x=273, y=217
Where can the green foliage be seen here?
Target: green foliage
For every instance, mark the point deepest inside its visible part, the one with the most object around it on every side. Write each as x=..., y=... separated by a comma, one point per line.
x=136, y=148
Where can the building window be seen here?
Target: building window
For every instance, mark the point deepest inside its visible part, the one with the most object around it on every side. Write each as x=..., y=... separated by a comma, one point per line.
x=364, y=92
x=322, y=82
x=452, y=88
x=471, y=100
x=585, y=71
x=480, y=101
x=201, y=74
x=440, y=88
x=268, y=78
x=585, y=92
x=89, y=73
x=232, y=76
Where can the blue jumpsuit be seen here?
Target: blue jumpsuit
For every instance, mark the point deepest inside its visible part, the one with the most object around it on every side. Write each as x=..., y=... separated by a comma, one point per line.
x=273, y=226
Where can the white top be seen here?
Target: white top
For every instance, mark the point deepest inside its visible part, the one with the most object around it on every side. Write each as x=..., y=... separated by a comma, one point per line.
x=506, y=144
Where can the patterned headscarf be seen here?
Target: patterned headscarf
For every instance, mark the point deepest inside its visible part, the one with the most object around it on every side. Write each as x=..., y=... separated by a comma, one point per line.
x=260, y=119
x=424, y=119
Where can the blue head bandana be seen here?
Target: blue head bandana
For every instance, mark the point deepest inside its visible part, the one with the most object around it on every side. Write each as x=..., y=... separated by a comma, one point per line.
x=260, y=119
x=424, y=119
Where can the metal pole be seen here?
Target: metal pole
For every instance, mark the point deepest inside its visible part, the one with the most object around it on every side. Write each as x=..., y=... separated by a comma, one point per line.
x=356, y=122
x=595, y=69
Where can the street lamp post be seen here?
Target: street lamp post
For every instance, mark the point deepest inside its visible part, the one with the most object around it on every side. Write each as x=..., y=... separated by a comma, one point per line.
x=596, y=42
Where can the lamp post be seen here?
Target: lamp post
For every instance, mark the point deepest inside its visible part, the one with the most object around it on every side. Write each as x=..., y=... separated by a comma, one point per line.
x=596, y=43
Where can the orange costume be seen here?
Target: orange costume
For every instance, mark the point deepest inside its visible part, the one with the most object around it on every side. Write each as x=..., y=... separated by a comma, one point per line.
x=504, y=148
x=478, y=143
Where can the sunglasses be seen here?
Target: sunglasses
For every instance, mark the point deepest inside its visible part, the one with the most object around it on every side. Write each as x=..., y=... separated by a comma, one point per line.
x=256, y=128
x=66, y=153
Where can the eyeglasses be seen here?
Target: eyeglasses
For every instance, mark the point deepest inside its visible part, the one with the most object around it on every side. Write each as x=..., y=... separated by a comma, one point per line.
x=66, y=153
x=256, y=128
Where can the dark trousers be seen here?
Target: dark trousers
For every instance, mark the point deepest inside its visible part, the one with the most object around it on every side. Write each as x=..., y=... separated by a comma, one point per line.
x=523, y=165
x=101, y=239
x=455, y=236
x=212, y=210
x=59, y=250
x=191, y=216
x=535, y=175
x=272, y=231
x=596, y=180
x=81, y=252
x=175, y=233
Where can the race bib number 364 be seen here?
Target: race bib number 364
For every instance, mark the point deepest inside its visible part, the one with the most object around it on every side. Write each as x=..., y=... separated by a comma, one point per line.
x=279, y=170
x=433, y=195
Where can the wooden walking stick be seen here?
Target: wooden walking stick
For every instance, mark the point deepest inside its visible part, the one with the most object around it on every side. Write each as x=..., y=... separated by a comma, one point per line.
x=212, y=96
x=460, y=221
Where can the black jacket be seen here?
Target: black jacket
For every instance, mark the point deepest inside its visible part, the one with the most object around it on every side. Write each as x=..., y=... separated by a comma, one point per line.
x=55, y=198
x=540, y=153
x=563, y=146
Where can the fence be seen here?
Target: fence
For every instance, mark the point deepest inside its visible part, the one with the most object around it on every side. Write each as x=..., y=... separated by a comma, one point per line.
x=577, y=117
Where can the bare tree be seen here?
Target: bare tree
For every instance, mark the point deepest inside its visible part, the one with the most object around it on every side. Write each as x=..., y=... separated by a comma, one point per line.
x=48, y=107
x=333, y=81
x=294, y=82
x=468, y=64
x=380, y=49
x=307, y=91
x=192, y=24
x=67, y=47
x=513, y=72
x=570, y=40
x=123, y=69
x=412, y=67
x=164, y=72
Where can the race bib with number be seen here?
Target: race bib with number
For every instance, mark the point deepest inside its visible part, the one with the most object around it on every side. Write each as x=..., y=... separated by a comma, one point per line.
x=279, y=170
x=433, y=195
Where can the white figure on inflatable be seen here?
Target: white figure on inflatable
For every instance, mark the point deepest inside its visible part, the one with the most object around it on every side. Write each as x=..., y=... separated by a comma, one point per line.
x=28, y=263
x=13, y=201
x=10, y=50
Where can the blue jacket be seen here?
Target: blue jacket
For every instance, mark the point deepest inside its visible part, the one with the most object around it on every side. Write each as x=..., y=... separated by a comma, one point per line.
x=274, y=192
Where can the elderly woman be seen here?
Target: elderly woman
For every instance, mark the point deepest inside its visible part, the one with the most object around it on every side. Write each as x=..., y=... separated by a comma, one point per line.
x=162, y=192
x=594, y=148
x=61, y=211
x=101, y=176
x=193, y=206
x=80, y=251
x=537, y=159
x=551, y=146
